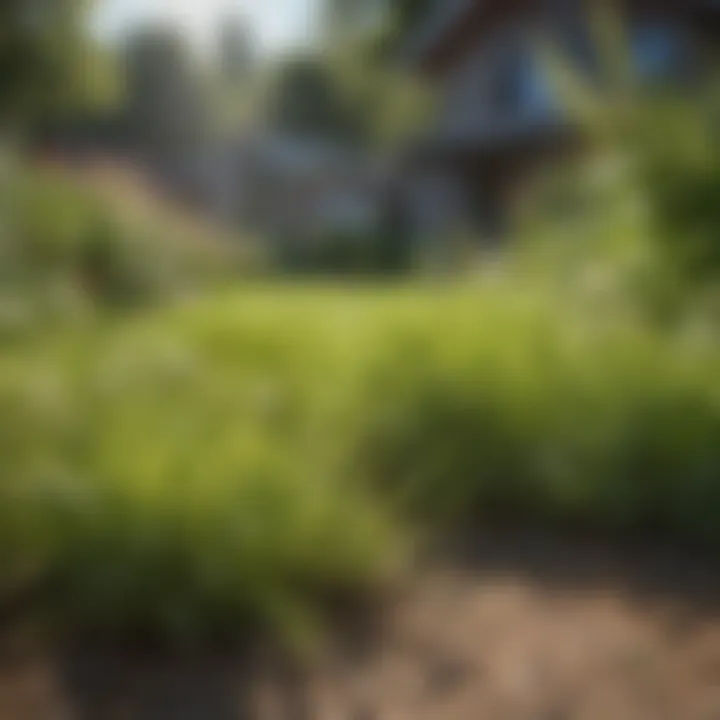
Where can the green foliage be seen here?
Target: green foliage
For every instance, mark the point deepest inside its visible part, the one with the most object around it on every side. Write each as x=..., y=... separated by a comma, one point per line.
x=390, y=20
x=43, y=50
x=644, y=193
x=66, y=249
x=180, y=480
x=166, y=101
x=246, y=459
x=364, y=253
x=389, y=104
x=236, y=52
x=242, y=459
x=308, y=101
x=507, y=401
x=348, y=94
x=682, y=180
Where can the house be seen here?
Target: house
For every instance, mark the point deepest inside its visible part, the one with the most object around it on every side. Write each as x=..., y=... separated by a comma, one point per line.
x=293, y=190
x=498, y=117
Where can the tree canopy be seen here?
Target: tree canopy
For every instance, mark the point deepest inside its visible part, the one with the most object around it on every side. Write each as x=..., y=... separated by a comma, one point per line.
x=388, y=20
x=164, y=96
x=236, y=51
x=308, y=100
x=42, y=55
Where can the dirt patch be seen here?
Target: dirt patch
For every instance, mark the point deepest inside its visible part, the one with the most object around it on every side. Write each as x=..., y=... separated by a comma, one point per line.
x=518, y=626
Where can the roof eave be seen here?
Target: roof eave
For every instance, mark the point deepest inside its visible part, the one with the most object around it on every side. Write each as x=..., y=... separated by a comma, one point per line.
x=428, y=37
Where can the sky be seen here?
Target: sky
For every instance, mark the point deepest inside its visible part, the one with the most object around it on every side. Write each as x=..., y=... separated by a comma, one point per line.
x=277, y=24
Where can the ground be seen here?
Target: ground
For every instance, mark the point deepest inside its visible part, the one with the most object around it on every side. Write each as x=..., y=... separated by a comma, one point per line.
x=516, y=626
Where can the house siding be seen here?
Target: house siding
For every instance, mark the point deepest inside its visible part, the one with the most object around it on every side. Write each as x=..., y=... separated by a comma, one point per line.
x=498, y=90
x=498, y=116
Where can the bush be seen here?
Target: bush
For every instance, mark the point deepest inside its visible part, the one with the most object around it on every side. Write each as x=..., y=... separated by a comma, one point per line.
x=682, y=180
x=367, y=253
x=240, y=460
x=58, y=233
x=244, y=458
x=175, y=478
x=514, y=405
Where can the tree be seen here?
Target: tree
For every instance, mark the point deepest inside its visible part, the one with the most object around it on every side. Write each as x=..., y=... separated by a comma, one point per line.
x=166, y=109
x=236, y=52
x=308, y=101
x=387, y=20
x=390, y=105
x=349, y=92
x=42, y=45
x=235, y=79
x=363, y=36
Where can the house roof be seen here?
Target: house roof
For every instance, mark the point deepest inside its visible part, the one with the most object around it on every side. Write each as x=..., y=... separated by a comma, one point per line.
x=453, y=24
x=442, y=19
x=445, y=30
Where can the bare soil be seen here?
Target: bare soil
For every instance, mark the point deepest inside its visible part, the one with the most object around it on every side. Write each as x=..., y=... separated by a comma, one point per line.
x=517, y=626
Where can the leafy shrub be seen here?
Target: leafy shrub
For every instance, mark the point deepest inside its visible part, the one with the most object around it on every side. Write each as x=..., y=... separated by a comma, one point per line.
x=682, y=179
x=240, y=459
x=175, y=477
x=374, y=252
x=57, y=232
x=653, y=218
x=514, y=405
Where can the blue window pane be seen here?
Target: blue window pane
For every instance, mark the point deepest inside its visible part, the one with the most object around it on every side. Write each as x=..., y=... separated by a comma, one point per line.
x=658, y=50
x=522, y=87
x=537, y=92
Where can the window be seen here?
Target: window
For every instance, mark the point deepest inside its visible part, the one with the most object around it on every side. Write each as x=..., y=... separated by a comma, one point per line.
x=522, y=87
x=659, y=50
x=537, y=94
